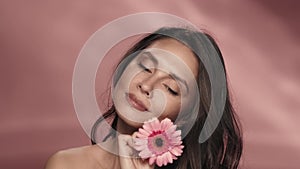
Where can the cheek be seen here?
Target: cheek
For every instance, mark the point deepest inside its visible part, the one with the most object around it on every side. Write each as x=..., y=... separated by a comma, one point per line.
x=172, y=107
x=132, y=83
x=129, y=75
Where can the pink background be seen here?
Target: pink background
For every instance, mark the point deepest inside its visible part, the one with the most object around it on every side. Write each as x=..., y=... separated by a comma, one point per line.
x=40, y=41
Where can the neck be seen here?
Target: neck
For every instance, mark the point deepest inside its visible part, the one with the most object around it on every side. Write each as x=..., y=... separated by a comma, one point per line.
x=124, y=128
x=106, y=154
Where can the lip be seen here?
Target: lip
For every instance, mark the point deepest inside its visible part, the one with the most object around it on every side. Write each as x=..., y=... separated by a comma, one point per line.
x=135, y=102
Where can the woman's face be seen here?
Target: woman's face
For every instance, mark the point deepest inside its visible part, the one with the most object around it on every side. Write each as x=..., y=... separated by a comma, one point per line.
x=159, y=82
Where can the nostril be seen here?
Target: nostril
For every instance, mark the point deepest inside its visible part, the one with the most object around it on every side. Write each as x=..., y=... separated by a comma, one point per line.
x=144, y=89
x=139, y=86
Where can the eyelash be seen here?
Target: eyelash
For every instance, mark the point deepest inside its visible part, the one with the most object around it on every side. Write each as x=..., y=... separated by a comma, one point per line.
x=144, y=68
x=171, y=90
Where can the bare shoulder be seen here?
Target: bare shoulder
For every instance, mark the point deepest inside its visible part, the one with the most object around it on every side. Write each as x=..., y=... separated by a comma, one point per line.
x=79, y=157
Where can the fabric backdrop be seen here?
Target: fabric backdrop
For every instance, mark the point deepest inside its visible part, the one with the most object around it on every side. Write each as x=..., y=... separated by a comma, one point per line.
x=40, y=41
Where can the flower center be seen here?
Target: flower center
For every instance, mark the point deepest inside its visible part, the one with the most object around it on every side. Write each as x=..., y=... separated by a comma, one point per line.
x=159, y=142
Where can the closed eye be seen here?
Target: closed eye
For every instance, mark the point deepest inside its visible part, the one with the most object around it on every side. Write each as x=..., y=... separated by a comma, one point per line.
x=144, y=68
x=171, y=91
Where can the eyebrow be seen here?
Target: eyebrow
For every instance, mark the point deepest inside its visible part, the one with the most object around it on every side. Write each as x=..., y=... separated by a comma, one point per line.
x=151, y=57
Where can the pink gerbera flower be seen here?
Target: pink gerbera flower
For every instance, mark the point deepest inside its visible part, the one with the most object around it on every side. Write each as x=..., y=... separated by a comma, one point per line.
x=159, y=141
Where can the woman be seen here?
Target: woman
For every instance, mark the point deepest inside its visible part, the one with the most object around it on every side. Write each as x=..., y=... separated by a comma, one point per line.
x=163, y=65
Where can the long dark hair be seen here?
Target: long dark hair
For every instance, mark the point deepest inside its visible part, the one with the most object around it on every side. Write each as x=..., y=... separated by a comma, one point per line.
x=224, y=147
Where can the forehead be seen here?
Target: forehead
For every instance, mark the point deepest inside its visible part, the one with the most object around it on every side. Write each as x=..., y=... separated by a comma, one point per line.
x=181, y=51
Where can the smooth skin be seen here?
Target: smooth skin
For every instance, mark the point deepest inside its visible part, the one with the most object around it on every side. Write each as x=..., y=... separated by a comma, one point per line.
x=93, y=156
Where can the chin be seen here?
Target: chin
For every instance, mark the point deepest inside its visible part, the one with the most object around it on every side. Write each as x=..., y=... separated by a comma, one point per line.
x=133, y=124
x=130, y=117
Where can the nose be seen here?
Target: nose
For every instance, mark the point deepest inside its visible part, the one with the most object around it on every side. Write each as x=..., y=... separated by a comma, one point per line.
x=145, y=88
x=147, y=85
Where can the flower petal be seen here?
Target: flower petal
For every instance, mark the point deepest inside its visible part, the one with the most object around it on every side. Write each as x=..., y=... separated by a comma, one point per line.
x=148, y=127
x=152, y=160
x=139, y=135
x=176, y=141
x=176, y=151
x=144, y=132
x=169, y=157
x=171, y=130
x=165, y=159
x=159, y=142
x=166, y=124
x=176, y=134
x=155, y=125
x=159, y=161
x=174, y=157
